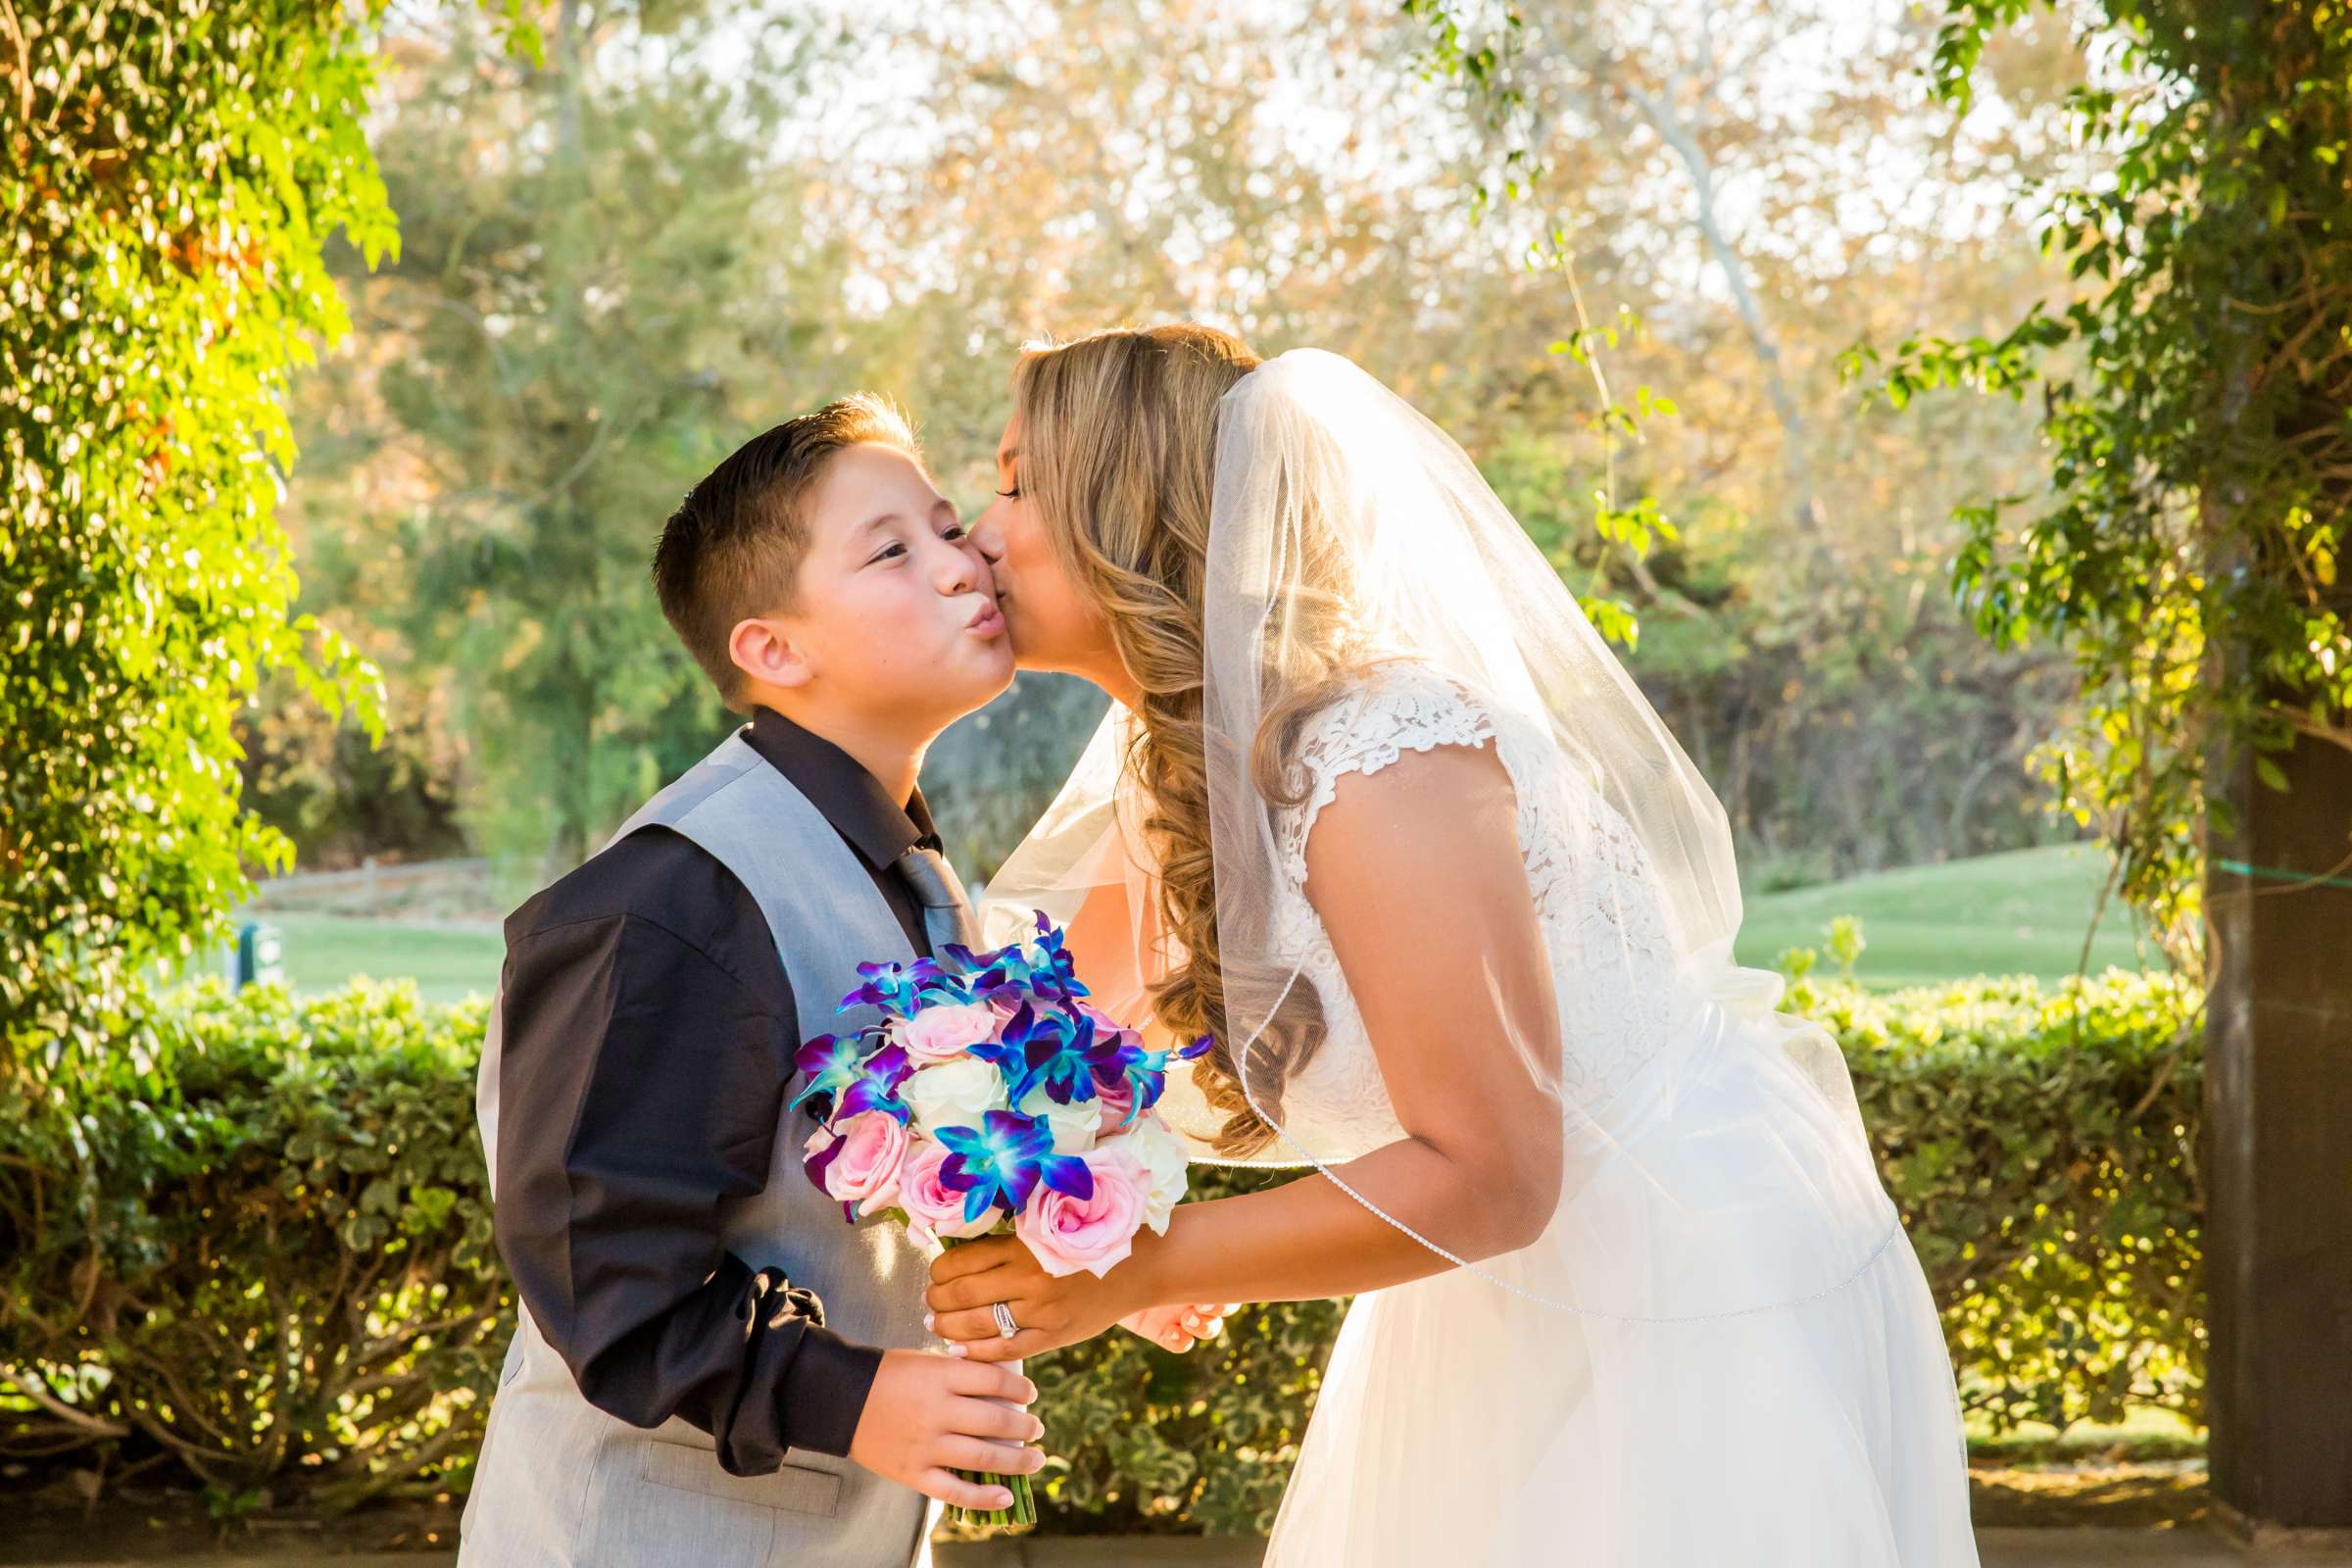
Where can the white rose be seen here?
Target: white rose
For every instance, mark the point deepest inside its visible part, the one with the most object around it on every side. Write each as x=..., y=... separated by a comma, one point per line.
x=1073, y=1124
x=1161, y=1152
x=954, y=1093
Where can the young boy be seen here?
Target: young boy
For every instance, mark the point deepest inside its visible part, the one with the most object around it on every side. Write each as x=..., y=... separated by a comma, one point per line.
x=711, y=1366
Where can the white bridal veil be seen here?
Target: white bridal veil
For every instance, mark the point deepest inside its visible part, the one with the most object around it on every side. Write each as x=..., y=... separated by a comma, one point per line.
x=1728, y=1173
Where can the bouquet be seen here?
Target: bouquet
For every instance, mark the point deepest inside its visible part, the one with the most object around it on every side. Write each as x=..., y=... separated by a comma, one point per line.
x=990, y=1097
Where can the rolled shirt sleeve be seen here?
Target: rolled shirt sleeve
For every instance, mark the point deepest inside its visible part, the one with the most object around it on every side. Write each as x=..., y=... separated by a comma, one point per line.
x=641, y=1084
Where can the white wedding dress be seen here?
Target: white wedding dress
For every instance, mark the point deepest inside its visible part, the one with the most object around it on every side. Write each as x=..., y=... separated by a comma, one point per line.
x=1797, y=1411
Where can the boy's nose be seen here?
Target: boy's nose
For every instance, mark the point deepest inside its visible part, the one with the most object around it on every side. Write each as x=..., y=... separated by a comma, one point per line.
x=962, y=574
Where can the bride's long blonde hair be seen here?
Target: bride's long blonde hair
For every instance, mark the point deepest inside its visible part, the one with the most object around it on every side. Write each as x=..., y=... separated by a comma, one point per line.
x=1118, y=456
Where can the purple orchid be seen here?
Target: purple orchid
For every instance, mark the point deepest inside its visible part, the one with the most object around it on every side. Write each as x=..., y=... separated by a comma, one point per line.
x=828, y=1064
x=1146, y=1071
x=957, y=977
x=1004, y=1161
x=876, y=1086
x=1058, y=1055
x=1041, y=970
x=980, y=975
x=894, y=988
x=813, y=1163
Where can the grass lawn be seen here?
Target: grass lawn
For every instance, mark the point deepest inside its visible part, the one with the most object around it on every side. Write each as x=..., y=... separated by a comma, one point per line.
x=321, y=952
x=2025, y=912
x=2020, y=914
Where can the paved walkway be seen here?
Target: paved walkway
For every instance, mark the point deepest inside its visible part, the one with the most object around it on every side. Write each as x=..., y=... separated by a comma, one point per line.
x=2002, y=1548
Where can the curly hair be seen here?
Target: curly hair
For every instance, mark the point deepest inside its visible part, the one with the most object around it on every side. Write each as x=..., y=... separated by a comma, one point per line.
x=1118, y=454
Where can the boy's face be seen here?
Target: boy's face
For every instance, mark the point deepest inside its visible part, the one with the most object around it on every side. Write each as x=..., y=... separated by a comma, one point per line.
x=897, y=610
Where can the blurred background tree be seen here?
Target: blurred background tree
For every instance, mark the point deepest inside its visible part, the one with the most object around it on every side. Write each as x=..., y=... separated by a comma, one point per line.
x=773, y=208
x=601, y=292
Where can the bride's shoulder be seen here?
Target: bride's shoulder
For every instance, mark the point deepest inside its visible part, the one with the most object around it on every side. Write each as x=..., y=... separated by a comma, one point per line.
x=1392, y=708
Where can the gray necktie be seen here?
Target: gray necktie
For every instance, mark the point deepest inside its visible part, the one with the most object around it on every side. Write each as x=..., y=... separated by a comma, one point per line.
x=947, y=912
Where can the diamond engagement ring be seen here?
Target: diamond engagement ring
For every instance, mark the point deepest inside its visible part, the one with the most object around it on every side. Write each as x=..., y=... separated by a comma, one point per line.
x=1007, y=1327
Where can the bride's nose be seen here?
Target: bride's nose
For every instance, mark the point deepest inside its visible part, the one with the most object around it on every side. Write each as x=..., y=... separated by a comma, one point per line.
x=988, y=541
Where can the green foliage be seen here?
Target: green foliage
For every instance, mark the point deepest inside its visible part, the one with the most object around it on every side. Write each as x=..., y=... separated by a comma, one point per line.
x=2194, y=409
x=2042, y=1146
x=270, y=1260
x=1848, y=725
x=1476, y=46
x=172, y=175
x=1144, y=1439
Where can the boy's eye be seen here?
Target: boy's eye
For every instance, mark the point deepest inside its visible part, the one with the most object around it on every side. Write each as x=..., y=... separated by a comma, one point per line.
x=888, y=551
x=955, y=531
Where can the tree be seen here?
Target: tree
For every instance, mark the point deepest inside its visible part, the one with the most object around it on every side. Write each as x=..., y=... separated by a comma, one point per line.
x=978, y=178
x=172, y=175
x=1728, y=171
x=600, y=294
x=2195, y=399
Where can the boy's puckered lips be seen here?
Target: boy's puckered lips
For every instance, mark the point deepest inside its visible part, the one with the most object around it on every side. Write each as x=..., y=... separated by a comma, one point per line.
x=988, y=620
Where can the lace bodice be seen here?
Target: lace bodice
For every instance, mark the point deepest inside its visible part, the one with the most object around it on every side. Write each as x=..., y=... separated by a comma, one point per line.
x=1604, y=919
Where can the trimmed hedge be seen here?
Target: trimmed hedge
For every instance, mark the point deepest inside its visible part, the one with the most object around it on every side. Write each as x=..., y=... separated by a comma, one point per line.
x=267, y=1260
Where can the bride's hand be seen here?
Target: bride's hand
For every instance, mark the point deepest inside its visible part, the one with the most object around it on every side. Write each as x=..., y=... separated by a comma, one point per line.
x=1181, y=1327
x=1051, y=1312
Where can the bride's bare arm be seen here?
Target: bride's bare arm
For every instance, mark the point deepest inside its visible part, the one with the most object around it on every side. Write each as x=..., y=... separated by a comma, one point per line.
x=1416, y=873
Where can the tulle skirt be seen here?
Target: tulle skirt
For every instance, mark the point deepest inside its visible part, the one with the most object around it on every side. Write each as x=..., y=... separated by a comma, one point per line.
x=1795, y=1408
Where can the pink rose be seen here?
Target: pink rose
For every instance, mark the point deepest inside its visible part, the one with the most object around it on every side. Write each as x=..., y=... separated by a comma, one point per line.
x=865, y=1168
x=942, y=1033
x=1117, y=1102
x=1066, y=1233
x=935, y=1210
x=1105, y=1023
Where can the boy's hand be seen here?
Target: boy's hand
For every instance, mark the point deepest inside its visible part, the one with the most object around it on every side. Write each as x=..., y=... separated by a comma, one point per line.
x=929, y=1415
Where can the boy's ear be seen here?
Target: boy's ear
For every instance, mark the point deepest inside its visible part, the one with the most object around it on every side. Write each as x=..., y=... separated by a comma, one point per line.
x=767, y=651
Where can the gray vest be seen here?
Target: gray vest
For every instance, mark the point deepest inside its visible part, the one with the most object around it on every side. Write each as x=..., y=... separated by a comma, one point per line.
x=562, y=1484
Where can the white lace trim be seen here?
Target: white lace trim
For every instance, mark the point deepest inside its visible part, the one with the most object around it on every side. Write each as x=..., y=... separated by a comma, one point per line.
x=1367, y=731
x=1604, y=919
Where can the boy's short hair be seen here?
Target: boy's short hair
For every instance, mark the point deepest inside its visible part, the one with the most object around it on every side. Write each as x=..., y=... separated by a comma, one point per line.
x=733, y=549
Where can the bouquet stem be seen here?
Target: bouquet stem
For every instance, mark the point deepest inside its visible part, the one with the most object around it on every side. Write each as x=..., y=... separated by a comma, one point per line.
x=1024, y=1502
x=1024, y=1498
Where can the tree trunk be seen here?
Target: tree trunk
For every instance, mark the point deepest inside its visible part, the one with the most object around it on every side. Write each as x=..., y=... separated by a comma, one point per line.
x=2279, y=1117
x=1659, y=109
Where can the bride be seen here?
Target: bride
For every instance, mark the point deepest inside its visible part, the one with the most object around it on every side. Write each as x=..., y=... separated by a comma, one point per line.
x=1376, y=810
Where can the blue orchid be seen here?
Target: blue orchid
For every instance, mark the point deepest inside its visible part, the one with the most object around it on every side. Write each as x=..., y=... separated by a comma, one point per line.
x=1146, y=1071
x=979, y=974
x=955, y=977
x=1040, y=970
x=1009, y=1055
x=891, y=987
x=828, y=1064
x=1058, y=1055
x=1004, y=1161
x=1056, y=966
x=876, y=1086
